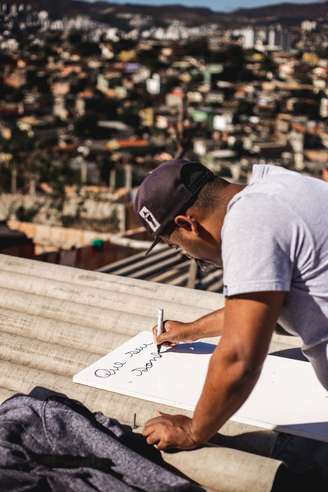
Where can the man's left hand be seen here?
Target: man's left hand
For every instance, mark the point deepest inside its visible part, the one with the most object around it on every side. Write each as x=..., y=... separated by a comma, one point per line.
x=170, y=431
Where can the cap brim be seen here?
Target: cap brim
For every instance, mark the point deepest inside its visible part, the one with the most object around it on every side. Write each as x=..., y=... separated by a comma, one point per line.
x=156, y=241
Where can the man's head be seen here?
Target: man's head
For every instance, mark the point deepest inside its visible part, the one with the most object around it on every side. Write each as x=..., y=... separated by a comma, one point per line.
x=183, y=204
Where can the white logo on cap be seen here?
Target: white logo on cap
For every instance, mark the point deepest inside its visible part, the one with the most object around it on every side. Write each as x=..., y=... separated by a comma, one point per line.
x=149, y=218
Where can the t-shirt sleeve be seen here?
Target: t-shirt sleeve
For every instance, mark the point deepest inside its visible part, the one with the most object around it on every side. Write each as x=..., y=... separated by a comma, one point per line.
x=257, y=238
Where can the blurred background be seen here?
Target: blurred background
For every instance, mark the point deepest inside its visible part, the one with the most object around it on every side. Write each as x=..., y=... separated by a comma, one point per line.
x=94, y=95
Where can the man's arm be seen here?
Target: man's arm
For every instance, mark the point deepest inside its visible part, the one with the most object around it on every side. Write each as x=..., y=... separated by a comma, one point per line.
x=249, y=321
x=210, y=325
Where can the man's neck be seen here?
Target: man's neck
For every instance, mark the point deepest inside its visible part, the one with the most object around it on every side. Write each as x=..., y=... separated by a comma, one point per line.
x=229, y=192
x=214, y=221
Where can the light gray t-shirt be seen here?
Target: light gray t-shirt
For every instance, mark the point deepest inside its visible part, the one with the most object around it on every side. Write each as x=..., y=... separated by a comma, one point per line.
x=275, y=238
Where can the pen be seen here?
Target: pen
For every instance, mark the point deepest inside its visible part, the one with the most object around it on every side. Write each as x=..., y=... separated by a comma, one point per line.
x=160, y=326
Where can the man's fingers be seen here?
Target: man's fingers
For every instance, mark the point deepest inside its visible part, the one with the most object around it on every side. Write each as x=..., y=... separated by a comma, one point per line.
x=169, y=333
x=150, y=423
x=154, y=330
x=157, y=439
x=160, y=338
x=153, y=438
x=148, y=429
x=149, y=426
x=163, y=337
x=162, y=444
x=154, y=435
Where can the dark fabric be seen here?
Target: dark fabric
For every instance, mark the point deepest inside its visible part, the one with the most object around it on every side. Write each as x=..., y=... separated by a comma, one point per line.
x=49, y=442
x=304, y=464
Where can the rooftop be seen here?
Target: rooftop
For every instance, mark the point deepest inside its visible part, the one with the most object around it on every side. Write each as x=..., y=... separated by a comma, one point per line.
x=167, y=265
x=56, y=320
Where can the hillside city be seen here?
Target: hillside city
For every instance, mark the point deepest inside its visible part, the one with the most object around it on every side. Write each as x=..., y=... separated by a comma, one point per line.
x=87, y=109
x=163, y=329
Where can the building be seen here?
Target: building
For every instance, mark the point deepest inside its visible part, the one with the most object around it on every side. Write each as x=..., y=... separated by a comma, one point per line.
x=167, y=265
x=15, y=243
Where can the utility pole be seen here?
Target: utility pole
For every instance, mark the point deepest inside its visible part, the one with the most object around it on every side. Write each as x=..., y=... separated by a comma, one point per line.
x=182, y=142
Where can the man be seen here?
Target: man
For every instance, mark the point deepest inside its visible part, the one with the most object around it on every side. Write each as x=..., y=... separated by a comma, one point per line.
x=272, y=239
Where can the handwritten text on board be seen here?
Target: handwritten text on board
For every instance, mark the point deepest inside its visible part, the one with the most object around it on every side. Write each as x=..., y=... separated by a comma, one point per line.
x=138, y=371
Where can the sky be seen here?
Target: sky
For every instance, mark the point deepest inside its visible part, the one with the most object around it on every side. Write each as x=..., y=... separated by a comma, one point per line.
x=218, y=5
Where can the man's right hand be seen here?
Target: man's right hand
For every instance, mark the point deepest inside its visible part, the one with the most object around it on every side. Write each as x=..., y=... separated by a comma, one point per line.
x=175, y=332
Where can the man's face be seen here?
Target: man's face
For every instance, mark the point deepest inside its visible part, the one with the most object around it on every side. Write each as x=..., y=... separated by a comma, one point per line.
x=195, y=245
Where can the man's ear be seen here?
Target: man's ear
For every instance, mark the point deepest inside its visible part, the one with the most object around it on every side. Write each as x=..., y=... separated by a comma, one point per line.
x=183, y=222
x=188, y=223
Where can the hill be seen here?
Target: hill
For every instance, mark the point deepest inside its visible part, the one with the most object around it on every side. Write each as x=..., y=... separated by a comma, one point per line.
x=107, y=11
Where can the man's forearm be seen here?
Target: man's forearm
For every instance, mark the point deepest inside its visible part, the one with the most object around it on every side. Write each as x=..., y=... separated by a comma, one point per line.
x=210, y=325
x=228, y=384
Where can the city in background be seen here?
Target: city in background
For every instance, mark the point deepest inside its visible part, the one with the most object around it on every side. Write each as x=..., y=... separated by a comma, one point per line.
x=93, y=96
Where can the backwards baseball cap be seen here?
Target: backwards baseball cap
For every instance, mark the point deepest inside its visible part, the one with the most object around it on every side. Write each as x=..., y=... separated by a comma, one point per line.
x=168, y=191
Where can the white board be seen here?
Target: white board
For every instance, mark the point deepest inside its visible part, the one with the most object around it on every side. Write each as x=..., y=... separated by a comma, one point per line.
x=288, y=397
